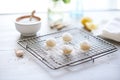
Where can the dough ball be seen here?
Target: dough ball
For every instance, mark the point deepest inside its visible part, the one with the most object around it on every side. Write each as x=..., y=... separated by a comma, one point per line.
x=19, y=53
x=51, y=42
x=67, y=49
x=85, y=45
x=67, y=37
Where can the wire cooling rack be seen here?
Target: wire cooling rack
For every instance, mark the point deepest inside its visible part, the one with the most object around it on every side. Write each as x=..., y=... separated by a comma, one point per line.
x=54, y=58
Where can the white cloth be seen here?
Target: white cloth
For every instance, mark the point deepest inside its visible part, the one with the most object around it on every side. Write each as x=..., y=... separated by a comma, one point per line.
x=111, y=30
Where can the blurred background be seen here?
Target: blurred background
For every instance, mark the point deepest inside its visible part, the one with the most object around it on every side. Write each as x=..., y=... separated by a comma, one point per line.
x=22, y=6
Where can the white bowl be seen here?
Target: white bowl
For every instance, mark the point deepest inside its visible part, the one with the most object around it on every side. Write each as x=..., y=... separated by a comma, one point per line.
x=27, y=27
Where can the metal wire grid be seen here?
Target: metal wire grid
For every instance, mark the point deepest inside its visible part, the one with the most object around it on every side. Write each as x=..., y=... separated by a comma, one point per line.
x=54, y=57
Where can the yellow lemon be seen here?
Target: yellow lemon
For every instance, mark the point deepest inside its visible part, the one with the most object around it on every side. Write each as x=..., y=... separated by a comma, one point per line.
x=84, y=20
x=90, y=26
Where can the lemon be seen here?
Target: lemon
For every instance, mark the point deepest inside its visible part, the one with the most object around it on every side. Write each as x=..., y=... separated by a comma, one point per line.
x=84, y=20
x=90, y=26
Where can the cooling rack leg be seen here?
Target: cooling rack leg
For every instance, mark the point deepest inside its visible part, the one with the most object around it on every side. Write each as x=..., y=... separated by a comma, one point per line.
x=93, y=60
x=26, y=46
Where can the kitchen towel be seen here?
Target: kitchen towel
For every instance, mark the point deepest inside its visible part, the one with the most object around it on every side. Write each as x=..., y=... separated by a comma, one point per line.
x=112, y=30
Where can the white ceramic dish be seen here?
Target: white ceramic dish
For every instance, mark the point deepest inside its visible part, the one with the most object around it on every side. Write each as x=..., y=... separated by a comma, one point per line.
x=28, y=27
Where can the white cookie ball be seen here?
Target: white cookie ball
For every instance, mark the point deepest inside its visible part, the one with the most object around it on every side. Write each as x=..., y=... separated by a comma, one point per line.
x=85, y=45
x=51, y=42
x=67, y=49
x=19, y=53
x=67, y=37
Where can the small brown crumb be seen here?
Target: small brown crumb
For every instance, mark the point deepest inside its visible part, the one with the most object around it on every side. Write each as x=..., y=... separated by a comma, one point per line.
x=57, y=26
x=54, y=25
x=60, y=26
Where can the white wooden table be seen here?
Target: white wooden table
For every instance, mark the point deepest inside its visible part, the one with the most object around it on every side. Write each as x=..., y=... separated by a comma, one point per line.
x=14, y=68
